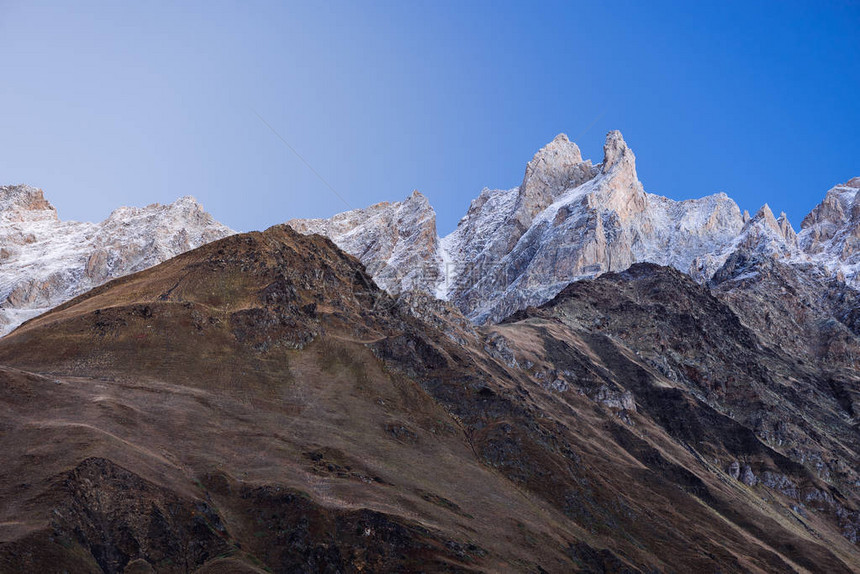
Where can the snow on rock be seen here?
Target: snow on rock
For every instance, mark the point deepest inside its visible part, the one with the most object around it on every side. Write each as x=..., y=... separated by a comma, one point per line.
x=691, y=235
x=497, y=219
x=397, y=242
x=761, y=234
x=605, y=223
x=571, y=220
x=830, y=234
x=45, y=261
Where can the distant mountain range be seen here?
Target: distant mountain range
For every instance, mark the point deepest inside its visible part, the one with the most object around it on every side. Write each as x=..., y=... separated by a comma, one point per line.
x=568, y=220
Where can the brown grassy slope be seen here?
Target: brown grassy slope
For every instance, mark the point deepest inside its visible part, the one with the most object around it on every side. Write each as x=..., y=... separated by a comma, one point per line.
x=190, y=376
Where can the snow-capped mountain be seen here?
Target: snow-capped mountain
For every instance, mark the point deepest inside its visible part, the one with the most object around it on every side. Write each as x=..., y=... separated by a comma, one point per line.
x=45, y=261
x=830, y=234
x=569, y=220
x=600, y=220
x=734, y=398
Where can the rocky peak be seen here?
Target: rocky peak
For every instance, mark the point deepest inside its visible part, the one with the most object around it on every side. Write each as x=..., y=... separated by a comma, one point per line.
x=419, y=200
x=786, y=228
x=765, y=217
x=616, y=154
x=831, y=232
x=557, y=167
x=765, y=233
x=605, y=224
x=24, y=202
x=620, y=189
x=833, y=211
x=780, y=226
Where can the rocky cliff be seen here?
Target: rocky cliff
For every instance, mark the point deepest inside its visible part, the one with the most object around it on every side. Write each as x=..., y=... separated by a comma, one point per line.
x=603, y=224
x=397, y=242
x=830, y=234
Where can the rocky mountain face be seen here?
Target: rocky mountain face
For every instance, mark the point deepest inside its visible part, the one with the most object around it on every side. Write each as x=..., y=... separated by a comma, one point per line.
x=571, y=220
x=45, y=261
x=830, y=234
x=800, y=404
x=259, y=404
x=605, y=223
x=396, y=241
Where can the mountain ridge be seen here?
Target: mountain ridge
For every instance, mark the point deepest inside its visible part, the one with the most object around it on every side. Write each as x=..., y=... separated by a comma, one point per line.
x=570, y=219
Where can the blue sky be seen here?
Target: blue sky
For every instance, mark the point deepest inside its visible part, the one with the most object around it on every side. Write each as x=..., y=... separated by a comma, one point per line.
x=104, y=104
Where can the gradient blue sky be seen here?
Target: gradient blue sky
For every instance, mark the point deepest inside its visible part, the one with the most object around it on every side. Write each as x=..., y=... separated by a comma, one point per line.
x=103, y=104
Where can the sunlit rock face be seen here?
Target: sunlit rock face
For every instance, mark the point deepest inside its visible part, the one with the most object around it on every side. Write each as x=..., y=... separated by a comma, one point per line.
x=603, y=224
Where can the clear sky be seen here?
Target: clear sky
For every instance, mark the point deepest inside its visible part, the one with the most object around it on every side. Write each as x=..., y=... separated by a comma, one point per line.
x=111, y=103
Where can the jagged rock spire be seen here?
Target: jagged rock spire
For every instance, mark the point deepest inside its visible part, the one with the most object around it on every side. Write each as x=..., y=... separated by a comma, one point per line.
x=786, y=229
x=766, y=217
x=766, y=233
x=616, y=154
x=620, y=189
x=555, y=168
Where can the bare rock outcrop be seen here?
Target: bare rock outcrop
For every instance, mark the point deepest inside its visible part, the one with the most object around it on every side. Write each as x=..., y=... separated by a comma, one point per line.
x=556, y=167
